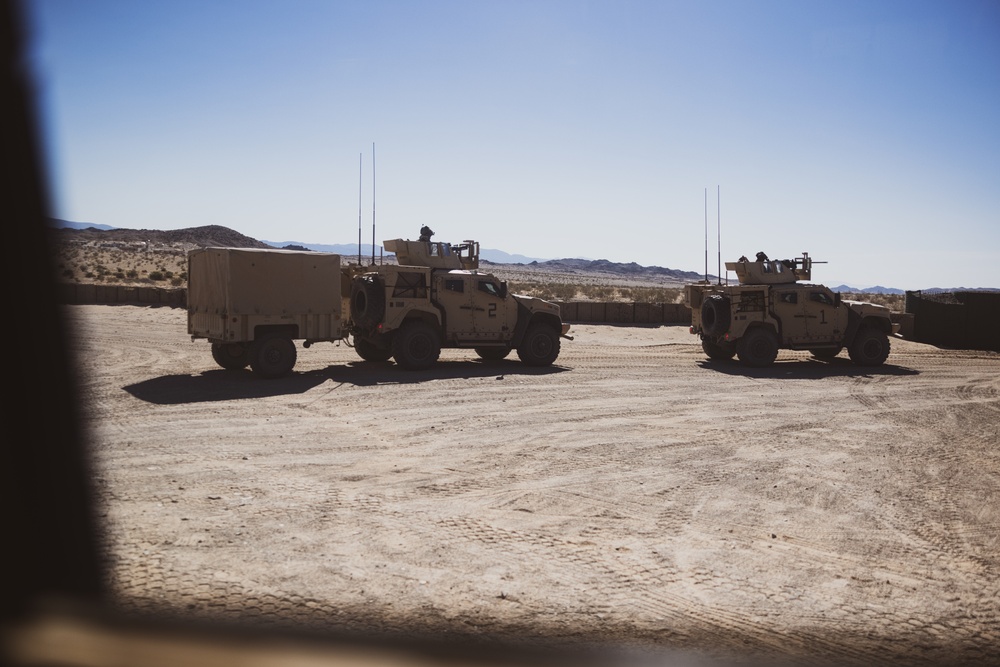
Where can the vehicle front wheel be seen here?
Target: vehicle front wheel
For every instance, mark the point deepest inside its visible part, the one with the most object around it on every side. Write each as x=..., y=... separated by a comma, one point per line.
x=758, y=348
x=540, y=346
x=231, y=356
x=416, y=346
x=492, y=353
x=370, y=351
x=870, y=347
x=272, y=356
x=717, y=352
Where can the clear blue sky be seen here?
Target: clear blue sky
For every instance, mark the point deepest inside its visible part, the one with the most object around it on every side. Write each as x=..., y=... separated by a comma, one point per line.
x=866, y=133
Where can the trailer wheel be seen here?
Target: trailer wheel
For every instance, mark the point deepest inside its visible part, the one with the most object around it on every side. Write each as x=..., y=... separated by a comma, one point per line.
x=717, y=352
x=367, y=302
x=231, y=356
x=416, y=346
x=540, y=346
x=272, y=356
x=715, y=315
x=758, y=348
x=492, y=353
x=370, y=351
x=870, y=347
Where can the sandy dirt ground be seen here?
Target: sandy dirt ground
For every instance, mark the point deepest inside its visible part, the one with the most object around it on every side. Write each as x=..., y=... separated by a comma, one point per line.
x=634, y=495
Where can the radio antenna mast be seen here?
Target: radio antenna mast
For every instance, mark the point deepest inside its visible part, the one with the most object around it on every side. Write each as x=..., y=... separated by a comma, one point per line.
x=359, y=208
x=373, y=203
x=718, y=231
x=706, y=235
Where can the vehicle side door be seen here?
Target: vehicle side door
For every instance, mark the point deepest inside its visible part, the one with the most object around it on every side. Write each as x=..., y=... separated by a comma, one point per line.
x=454, y=296
x=789, y=308
x=826, y=319
x=495, y=311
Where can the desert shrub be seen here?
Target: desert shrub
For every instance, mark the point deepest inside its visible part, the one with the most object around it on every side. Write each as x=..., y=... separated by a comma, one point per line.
x=132, y=274
x=156, y=275
x=176, y=282
x=894, y=302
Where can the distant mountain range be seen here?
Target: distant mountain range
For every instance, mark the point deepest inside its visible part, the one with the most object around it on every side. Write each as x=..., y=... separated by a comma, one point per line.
x=223, y=236
x=351, y=250
x=66, y=224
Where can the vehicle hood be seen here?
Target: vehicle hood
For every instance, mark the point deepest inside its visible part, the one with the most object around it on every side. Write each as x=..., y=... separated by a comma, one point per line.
x=537, y=305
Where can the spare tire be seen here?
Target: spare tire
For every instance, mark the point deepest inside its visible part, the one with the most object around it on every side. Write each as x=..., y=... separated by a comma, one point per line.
x=715, y=315
x=367, y=301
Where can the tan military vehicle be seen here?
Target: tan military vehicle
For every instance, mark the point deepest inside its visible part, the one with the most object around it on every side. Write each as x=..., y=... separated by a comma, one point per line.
x=770, y=310
x=437, y=297
x=253, y=304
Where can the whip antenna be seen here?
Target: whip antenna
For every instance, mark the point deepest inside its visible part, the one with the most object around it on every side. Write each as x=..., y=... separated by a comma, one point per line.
x=718, y=231
x=706, y=235
x=373, y=202
x=359, y=209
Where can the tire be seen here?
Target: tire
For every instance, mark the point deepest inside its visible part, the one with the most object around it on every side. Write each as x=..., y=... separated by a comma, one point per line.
x=272, y=356
x=717, y=352
x=231, y=356
x=492, y=353
x=715, y=315
x=826, y=352
x=370, y=351
x=870, y=347
x=540, y=346
x=416, y=346
x=367, y=302
x=758, y=348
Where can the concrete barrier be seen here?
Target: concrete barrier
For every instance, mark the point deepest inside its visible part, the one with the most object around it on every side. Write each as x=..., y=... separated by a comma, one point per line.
x=74, y=294
x=591, y=312
x=968, y=320
x=598, y=312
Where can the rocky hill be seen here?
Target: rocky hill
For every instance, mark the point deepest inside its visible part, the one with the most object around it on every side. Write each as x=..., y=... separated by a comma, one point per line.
x=191, y=237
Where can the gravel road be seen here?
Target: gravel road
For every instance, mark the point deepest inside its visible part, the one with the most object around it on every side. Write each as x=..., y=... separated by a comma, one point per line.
x=633, y=495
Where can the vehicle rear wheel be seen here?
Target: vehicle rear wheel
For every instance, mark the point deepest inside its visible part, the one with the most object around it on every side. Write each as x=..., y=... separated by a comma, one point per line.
x=272, y=356
x=492, y=353
x=715, y=317
x=416, y=346
x=826, y=352
x=717, y=352
x=758, y=348
x=369, y=351
x=870, y=347
x=540, y=346
x=231, y=356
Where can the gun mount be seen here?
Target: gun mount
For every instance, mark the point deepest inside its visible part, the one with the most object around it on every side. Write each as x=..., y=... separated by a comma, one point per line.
x=766, y=271
x=434, y=254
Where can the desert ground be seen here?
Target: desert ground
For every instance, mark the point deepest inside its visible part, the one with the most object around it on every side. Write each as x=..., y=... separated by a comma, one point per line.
x=633, y=497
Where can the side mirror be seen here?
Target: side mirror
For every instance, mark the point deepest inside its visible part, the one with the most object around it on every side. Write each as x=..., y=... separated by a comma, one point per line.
x=836, y=299
x=503, y=289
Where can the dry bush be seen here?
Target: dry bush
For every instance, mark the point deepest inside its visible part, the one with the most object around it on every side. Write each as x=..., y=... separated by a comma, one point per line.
x=563, y=291
x=894, y=302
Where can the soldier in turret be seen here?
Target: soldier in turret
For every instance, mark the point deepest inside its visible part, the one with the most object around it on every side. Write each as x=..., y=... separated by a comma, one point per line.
x=426, y=233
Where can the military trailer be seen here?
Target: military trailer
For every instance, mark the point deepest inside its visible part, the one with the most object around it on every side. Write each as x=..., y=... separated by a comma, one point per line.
x=253, y=304
x=770, y=309
x=438, y=298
